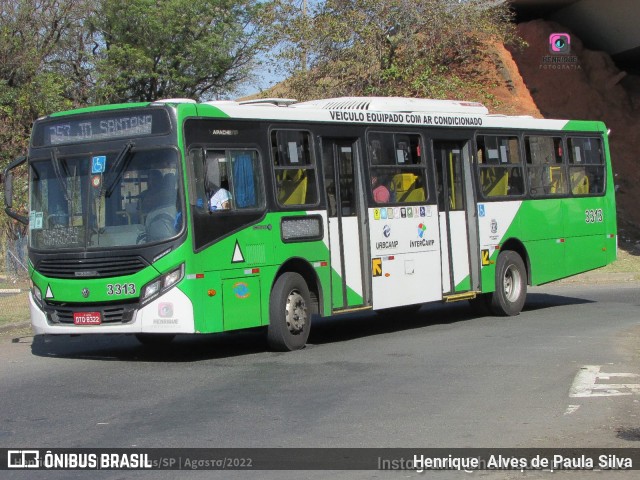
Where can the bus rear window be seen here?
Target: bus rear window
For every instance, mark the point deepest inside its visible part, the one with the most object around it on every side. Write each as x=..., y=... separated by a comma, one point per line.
x=586, y=166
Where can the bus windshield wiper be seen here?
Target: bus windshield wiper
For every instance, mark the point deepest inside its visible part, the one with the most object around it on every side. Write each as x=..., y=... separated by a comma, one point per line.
x=55, y=161
x=119, y=166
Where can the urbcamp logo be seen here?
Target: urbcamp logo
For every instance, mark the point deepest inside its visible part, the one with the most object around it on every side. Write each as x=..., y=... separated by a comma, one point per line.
x=386, y=231
x=494, y=226
x=85, y=292
x=421, y=229
x=560, y=43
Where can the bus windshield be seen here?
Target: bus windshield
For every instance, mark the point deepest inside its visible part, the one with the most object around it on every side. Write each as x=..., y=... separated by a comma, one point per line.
x=120, y=198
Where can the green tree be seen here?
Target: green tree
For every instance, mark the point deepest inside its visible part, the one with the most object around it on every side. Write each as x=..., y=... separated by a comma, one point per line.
x=150, y=49
x=425, y=48
x=62, y=54
x=36, y=41
x=39, y=69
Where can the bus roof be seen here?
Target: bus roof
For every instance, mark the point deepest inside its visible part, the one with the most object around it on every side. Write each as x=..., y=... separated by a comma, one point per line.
x=395, y=104
x=388, y=110
x=362, y=110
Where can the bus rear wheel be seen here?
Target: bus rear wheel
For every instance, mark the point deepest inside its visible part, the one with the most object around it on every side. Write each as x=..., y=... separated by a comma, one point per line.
x=289, y=313
x=511, y=285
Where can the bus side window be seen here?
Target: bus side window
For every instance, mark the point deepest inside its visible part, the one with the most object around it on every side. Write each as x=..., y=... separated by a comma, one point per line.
x=228, y=180
x=244, y=184
x=197, y=194
x=500, y=169
x=295, y=168
x=546, y=170
x=397, y=167
x=408, y=188
x=216, y=181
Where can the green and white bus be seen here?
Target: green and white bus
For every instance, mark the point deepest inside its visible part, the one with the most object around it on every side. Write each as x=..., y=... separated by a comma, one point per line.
x=177, y=217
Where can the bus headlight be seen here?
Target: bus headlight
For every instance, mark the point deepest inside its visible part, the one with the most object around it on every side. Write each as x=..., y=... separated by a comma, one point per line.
x=160, y=285
x=37, y=294
x=151, y=290
x=171, y=278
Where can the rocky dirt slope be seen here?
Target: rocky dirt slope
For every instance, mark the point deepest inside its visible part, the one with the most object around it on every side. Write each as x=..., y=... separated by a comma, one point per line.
x=589, y=87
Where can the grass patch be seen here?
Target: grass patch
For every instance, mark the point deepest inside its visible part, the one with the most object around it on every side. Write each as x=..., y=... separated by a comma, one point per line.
x=625, y=268
x=14, y=303
x=14, y=308
x=625, y=263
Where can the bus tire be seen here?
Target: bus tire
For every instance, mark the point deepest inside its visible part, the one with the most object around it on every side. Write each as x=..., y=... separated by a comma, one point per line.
x=511, y=285
x=289, y=313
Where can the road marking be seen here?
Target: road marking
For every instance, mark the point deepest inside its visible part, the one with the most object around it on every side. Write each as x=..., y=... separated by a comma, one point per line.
x=585, y=384
x=571, y=409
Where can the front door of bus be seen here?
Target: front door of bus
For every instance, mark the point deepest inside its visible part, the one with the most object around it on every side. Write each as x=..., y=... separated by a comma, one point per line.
x=339, y=159
x=455, y=202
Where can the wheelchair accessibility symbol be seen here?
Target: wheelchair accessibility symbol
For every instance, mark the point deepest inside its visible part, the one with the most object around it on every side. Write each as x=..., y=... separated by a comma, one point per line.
x=98, y=164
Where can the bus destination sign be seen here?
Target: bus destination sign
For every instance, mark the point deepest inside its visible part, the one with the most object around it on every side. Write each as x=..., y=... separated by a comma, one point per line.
x=97, y=128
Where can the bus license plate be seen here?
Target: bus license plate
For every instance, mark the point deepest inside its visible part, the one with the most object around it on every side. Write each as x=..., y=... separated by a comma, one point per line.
x=87, y=318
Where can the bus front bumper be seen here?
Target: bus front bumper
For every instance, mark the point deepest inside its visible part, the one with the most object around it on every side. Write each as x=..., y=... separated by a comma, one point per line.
x=169, y=313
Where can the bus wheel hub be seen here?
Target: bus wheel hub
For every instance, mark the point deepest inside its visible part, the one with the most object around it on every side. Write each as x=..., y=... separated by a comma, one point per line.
x=512, y=283
x=296, y=312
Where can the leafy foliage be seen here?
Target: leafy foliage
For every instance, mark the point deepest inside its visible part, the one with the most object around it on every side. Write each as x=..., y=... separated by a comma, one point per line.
x=61, y=54
x=421, y=48
x=145, y=50
x=35, y=40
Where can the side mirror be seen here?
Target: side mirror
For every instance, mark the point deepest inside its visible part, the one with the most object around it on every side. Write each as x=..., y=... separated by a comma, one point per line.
x=7, y=177
x=8, y=189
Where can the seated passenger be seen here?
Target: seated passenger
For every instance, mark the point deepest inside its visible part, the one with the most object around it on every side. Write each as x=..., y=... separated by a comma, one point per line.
x=220, y=199
x=381, y=193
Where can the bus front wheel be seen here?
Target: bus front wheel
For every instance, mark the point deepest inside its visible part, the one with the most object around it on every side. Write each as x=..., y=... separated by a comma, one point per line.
x=289, y=313
x=511, y=285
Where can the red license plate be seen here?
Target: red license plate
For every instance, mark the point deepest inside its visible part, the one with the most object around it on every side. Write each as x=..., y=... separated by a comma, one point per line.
x=87, y=318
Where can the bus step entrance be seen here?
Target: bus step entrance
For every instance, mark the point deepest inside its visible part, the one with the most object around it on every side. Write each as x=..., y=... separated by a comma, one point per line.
x=460, y=296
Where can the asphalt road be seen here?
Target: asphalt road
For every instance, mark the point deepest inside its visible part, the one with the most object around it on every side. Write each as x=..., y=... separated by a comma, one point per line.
x=439, y=378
